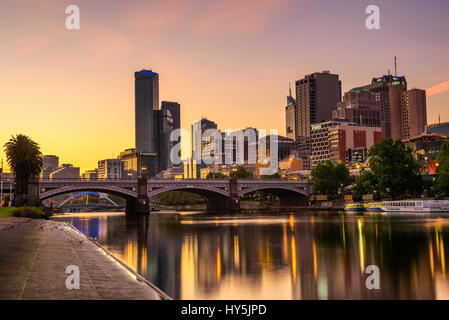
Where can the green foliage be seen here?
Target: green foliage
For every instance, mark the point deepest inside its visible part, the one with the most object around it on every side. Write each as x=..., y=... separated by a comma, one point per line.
x=29, y=212
x=241, y=173
x=364, y=184
x=329, y=179
x=442, y=183
x=25, y=160
x=393, y=171
x=217, y=175
x=6, y=211
x=177, y=198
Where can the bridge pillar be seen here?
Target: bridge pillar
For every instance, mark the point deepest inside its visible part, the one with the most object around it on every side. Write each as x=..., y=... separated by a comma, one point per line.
x=33, y=193
x=141, y=205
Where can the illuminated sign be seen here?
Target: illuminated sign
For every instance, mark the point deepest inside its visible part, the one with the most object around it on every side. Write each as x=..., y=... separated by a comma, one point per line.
x=316, y=127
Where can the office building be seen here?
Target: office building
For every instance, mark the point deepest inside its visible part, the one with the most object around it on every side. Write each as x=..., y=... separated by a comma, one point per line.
x=146, y=101
x=317, y=95
x=360, y=106
x=413, y=113
x=50, y=163
x=388, y=91
x=340, y=141
x=110, y=169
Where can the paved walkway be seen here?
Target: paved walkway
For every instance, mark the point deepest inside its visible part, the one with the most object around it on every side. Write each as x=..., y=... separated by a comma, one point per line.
x=34, y=255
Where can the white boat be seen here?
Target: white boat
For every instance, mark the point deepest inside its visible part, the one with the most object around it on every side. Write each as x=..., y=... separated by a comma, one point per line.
x=423, y=206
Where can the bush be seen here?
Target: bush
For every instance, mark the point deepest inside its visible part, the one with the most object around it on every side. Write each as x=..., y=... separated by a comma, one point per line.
x=29, y=212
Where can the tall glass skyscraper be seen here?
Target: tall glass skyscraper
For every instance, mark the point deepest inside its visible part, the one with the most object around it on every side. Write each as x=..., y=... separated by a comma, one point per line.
x=147, y=100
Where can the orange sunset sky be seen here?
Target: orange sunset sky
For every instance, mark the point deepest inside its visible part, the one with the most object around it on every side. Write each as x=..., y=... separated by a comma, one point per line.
x=231, y=61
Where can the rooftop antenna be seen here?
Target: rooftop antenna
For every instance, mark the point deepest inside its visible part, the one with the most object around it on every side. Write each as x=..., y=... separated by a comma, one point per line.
x=388, y=71
x=395, y=67
x=438, y=122
x=290, y=88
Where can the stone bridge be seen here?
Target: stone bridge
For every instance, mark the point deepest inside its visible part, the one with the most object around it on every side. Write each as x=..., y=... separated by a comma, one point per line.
x=221, y=194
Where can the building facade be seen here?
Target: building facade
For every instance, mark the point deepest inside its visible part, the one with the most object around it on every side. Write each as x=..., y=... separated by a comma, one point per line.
x=317, y=95
x=439, y=128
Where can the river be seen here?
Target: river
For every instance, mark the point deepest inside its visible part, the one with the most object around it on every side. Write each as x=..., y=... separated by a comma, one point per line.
x=279, y=255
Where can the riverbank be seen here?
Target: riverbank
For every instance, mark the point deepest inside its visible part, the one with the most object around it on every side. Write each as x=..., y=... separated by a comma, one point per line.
x=34, y=255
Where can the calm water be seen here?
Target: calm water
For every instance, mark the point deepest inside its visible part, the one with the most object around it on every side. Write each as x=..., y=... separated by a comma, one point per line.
x=319, y=255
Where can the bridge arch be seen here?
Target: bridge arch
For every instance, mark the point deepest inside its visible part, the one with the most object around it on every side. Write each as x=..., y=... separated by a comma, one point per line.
x=275, y=189
x=201, y=190
x=125, y=193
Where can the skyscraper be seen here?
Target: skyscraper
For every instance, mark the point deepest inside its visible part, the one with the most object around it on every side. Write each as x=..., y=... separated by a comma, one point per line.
x=317, y=95
x=198, y=146
x=413, y=113
x=146, y=100
x=175, y=110
x=290, y=116
x=387, y=90
x=163, y=124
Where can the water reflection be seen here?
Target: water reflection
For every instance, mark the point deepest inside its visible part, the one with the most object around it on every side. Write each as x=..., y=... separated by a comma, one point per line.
x=288, y=256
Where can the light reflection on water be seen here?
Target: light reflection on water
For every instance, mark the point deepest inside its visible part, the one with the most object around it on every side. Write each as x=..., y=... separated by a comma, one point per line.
x=319, y=255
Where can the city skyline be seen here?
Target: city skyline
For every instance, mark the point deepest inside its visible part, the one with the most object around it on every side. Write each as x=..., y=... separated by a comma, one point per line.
x=72, y=91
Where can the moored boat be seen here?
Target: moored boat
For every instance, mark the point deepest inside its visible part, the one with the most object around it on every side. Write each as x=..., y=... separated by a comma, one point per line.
x=355, y=207
x=419, y=206
x=373, y=206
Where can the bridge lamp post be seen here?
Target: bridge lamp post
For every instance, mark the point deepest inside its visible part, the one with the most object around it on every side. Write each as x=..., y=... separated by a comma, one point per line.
x=1, y=190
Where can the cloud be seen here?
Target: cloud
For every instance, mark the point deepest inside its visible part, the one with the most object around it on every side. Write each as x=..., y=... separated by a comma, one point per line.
x=439, y=88
x=205, y=17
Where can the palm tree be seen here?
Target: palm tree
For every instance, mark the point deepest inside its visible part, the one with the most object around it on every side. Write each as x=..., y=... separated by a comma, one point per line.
x=24, y=158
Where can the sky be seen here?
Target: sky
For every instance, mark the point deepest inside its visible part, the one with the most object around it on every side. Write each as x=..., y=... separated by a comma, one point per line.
x=231, y=61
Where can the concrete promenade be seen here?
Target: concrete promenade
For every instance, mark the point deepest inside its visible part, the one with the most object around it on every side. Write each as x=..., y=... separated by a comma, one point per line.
x=34, y=255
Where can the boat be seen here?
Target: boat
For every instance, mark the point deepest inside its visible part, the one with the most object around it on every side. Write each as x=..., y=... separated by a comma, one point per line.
x=355, y=207
x=373, y=206
x=419, y=206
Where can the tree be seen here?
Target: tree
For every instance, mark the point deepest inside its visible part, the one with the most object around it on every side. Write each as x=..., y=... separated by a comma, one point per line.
x=241, y=173
x=364, y=184
x=216, y=175
x=25, y=160
x=394, y=170
x=329, y=179
x=442, y=183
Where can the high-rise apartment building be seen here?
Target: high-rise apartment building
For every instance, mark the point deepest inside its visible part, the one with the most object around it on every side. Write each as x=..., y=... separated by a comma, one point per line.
x=317, y=95
x=388, y=90
x=413, y=113
x=146, y=101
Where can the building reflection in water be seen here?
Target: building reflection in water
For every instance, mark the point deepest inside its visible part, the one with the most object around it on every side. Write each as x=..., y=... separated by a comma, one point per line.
x=288, y=256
